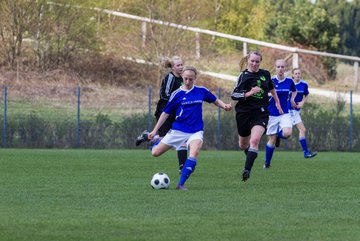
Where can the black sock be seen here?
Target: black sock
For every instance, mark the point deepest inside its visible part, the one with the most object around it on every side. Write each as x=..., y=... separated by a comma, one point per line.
x=182, y=156
x=246, y=151
x=250, y=158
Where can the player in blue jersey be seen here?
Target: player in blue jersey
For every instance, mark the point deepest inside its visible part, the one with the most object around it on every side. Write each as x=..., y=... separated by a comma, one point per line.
x=251, y=92
x=169, y=84
x=188, y=126
x=300, y=99
x=280, y=125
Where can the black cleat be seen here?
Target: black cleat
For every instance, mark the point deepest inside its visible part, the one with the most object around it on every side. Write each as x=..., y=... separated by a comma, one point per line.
x=245, y=175
x=141, y=138
x=266, y=166
x=310, y=154
x=277, y=142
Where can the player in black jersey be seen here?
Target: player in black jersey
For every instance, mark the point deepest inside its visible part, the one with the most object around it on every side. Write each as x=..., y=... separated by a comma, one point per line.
x=169, y=84
x=251, y=92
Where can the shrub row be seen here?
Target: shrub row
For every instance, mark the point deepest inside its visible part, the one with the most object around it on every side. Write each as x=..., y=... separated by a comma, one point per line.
x=326, y=130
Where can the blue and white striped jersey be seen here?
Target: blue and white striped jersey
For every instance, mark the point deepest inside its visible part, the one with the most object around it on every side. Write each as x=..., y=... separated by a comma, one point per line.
x=188, y=106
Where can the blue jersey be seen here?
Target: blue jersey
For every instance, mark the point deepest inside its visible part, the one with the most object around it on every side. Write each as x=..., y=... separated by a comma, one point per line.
x=188, y=106
x=283, y=89
x=302, y=88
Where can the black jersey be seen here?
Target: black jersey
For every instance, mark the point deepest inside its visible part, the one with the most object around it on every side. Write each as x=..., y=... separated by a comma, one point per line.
x=245, y=82
x=168, y=85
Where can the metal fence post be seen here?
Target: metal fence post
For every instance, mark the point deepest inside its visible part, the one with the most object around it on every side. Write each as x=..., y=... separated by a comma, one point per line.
x=351, y=123
x=149, y=109
x=78, y=118
x=5, y=111
x=218, y=144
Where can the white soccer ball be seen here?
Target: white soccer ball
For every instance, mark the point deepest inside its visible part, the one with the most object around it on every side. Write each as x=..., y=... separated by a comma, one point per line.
x=160, y=180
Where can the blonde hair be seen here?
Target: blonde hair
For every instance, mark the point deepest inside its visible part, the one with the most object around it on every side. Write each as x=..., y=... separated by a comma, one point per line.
x=191, y=68
x=294, y=69
x=243, y=60
x=169, y=63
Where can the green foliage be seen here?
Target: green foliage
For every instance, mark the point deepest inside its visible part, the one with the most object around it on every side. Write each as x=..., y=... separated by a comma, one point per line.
x=34, y=131
x=72, y=195
x=349, y=18
x=308, y=25
x=241, y=18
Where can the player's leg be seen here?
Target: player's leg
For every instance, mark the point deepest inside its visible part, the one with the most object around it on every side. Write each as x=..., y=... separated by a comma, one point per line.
x=182, y=150
x=170, y=140
x=302, y=139
x=269, y=150
x=244, y=130
x=244, y=143
x=256, y=133
x=195, y=143
x=160, y=149
x=271, y=132
x=182, y=156
x=297, y=121
x=285, y=126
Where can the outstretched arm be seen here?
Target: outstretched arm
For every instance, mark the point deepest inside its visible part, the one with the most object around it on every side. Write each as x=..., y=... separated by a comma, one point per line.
x=277, y=102
x=221, y=104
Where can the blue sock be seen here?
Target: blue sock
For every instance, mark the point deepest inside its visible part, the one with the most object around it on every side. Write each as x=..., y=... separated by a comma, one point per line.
x=269, y=151
x=280, y=134
x=155, y=143
x=188, y=168
x=303, y=144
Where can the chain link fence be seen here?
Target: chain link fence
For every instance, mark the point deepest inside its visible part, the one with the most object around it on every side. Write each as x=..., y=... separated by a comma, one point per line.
x=99, y=117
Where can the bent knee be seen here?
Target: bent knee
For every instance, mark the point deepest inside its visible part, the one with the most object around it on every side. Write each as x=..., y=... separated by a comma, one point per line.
x=243, y=147
x=287, y=132
x=155, y=152
x=255, y=142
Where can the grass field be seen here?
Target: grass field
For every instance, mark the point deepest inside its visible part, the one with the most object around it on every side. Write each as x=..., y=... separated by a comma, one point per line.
x=106, y=195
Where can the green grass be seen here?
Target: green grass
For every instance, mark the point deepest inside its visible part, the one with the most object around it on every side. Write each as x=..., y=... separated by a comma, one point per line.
x=53, y=111
x=106, y=195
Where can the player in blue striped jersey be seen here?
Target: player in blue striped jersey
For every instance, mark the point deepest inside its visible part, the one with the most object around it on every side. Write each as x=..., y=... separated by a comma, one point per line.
x=302, y=88
x=280, y=125
x=188, y=126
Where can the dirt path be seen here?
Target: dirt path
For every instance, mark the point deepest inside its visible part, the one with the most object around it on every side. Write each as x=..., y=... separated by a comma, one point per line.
x=325, y=93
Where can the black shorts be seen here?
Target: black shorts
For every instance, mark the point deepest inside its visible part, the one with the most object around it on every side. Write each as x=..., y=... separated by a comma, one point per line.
x=166, y=126
x=247, y=120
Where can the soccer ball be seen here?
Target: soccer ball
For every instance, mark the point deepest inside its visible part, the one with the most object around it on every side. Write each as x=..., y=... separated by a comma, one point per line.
x=160, y=180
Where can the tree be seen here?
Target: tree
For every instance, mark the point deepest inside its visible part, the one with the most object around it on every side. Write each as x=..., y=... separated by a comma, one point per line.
x=55, y=32
x=242, y=18
x=348, y=13
x=62, y=32
x=308, y=25
x=16, y=18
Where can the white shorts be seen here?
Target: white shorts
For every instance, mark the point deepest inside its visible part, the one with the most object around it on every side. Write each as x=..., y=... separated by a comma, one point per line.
x=295, y=116
x=176, y=138
x=277, y=123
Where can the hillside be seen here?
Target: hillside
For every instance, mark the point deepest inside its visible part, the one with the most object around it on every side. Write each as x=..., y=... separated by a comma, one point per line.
x=122, y=84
